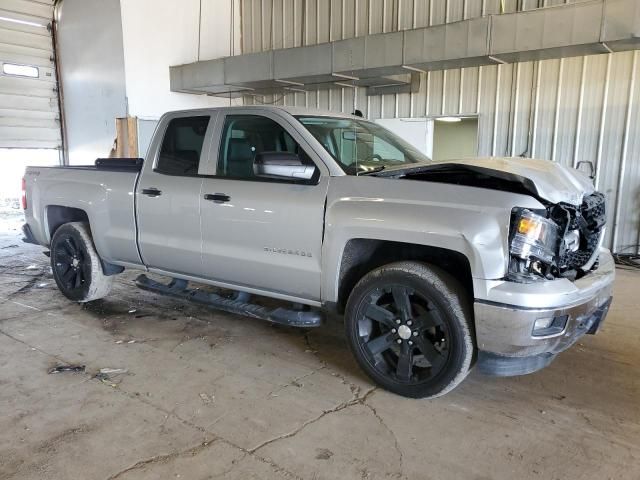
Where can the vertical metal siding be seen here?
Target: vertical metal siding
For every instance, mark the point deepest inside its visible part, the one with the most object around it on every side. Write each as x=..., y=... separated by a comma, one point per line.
x=569, y=110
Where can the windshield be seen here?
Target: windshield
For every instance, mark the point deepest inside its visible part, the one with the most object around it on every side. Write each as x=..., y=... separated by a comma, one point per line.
x=360, y=146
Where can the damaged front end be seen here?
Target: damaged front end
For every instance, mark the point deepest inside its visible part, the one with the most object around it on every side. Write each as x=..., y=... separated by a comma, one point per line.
x=562, y=241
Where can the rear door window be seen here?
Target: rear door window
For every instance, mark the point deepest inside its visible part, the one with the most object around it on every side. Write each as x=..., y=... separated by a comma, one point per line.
x=182, y=146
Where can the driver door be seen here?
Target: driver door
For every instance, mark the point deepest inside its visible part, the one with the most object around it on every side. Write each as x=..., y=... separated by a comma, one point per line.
x=259, y=233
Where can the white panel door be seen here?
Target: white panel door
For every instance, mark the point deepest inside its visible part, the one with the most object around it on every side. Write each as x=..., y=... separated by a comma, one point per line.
x=418, y=132
x=29, y=114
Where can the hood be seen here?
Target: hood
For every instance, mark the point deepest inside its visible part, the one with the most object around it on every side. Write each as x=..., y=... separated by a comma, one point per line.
x=542, y=179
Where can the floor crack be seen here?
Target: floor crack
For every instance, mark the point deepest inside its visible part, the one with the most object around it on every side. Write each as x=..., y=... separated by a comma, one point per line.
x=393, y=434
x=163, y=458
x=355, y=389
x=349, y=403
x=60, y=360
x=216, y=438
x=295, y=382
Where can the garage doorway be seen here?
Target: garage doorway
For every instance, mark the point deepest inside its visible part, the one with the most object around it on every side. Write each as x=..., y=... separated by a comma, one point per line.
x=440, y=138
x=29, y=113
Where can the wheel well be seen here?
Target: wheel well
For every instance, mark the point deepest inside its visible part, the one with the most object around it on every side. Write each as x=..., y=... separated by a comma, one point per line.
x=58, y=216
x=362, y=255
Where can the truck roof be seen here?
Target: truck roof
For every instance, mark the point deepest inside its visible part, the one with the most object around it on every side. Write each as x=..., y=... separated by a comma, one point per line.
x=296, y=111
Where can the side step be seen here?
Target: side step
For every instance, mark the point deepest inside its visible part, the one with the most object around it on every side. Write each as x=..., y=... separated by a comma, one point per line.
x=239, y=304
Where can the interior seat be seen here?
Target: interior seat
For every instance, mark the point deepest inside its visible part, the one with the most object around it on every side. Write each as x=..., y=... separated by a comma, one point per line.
x=239, y=158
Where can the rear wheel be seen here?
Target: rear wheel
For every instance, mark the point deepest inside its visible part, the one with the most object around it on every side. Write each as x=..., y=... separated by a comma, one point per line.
x=76, y=265
x=408, y=326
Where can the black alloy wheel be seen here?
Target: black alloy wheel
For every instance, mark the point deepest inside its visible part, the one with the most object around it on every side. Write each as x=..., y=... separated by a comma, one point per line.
x=70, y=263
x=76, y=266
x=408, y=325
x=403, y=335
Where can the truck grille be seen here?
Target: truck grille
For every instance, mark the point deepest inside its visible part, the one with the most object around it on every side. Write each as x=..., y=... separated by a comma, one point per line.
x=589, y=220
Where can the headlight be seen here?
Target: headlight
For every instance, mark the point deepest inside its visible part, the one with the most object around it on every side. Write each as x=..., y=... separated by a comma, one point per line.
x=533, y=236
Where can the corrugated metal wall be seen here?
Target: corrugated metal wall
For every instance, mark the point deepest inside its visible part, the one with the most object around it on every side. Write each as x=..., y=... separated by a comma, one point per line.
x=568, y=110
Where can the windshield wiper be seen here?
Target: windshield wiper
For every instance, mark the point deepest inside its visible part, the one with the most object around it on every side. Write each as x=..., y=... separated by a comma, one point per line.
x=373, y=170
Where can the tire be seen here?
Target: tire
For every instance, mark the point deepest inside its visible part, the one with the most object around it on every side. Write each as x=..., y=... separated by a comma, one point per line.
x=409, y=326
x=76, y=265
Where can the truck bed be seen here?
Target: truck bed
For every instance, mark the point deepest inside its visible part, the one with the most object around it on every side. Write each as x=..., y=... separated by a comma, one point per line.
x=104, y=192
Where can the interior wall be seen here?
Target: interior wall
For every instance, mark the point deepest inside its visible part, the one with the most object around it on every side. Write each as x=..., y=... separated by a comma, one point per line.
x=92, y=75
x=160, y=33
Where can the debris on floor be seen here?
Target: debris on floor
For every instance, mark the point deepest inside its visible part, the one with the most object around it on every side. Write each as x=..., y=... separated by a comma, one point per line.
x=67, y=369
x=113, y=371
x=106, y=380
x=323, y=453
x=207, y=399
x=129, y=342
x=106, y=375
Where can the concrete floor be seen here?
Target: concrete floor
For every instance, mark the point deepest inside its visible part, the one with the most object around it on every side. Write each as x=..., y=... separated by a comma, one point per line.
x=210, y=395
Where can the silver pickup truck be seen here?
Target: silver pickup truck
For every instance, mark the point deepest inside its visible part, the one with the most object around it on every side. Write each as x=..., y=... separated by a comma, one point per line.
x=436, y=266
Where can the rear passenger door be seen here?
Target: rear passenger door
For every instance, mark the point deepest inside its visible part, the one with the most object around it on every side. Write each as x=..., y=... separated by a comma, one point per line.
x=261, y=233
x=168, y=195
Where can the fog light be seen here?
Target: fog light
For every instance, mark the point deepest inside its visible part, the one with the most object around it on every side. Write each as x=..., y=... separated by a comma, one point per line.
x=544, y=327
x=542, y=323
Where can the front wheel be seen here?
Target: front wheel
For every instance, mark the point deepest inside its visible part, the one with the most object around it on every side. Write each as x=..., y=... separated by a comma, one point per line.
x=76, y=265
x=408, y=325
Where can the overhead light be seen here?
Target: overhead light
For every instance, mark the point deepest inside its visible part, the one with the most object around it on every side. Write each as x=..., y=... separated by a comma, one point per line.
x=345, y=85
x=291, y=89
x=347, y=77
x=448, y=119
x=289, y=82
x=415, y=69
x=22, y=22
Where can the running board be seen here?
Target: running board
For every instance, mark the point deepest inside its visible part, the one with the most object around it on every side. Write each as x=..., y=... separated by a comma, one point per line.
x=282, y=316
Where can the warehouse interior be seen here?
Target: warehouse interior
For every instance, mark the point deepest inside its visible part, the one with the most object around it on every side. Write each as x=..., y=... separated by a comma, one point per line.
x=143, y=385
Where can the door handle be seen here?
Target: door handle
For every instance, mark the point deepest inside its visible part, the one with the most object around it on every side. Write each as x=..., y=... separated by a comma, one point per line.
x=217, y=197
x=151, y=192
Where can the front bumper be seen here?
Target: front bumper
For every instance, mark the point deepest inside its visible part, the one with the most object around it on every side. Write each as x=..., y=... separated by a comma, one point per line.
x=504, y=331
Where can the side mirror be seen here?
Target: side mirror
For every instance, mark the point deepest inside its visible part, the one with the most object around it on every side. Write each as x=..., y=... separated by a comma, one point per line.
x=282, y=165
x=592, y=173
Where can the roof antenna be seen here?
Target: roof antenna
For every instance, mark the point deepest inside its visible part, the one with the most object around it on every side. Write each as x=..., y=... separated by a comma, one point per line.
x=358, y=113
